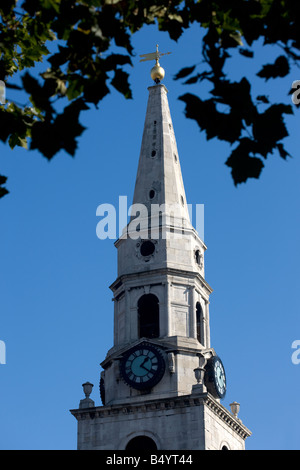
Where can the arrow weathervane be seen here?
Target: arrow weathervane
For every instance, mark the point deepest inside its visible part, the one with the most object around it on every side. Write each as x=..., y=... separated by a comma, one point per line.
x=157, y=72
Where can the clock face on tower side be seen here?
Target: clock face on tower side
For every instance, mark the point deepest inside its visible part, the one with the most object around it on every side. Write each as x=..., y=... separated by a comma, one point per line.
x=215, y=377
x=143, y=366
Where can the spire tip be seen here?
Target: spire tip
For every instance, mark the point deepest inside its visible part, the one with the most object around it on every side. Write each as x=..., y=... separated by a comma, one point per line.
x=157, y=72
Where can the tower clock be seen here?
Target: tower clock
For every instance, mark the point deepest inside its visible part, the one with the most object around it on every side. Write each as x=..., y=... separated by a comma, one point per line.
x=142, y=366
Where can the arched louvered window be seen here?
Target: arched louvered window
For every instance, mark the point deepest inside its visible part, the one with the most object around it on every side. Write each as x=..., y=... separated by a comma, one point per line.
x=148, y=316
x=199, y=315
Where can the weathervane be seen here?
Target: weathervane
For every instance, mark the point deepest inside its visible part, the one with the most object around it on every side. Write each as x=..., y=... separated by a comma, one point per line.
x=157, y=72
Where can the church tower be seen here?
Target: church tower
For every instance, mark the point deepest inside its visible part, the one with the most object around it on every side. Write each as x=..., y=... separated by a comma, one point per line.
x=162, y=382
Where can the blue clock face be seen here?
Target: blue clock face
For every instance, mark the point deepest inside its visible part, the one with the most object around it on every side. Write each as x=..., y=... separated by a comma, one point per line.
x=143, y=366
x=215, y=377
x=220, y=377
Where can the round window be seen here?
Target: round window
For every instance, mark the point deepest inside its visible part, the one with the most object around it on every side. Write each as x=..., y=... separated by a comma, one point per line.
x=147, y=248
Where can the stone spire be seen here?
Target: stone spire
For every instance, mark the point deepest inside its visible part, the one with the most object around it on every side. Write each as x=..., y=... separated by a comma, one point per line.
x=161, y=319
x=160, y=234
x=159, y=179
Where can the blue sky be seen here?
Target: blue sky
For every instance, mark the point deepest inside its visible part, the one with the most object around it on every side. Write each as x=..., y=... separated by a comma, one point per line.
x=56, y=306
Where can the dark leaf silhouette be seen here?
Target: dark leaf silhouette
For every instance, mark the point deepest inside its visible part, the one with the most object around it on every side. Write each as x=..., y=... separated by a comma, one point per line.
x=120, y=82
x=246, y=53
x=282, y=152
x=3, y=191
x=243, y=164
x=50, y=137
x=263, y=99
x=184, y=72
x=280, y=68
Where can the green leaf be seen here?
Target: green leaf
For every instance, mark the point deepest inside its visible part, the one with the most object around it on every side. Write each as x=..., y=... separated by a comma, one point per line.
x=15, y=140
x=48, y=4
x=75, y=86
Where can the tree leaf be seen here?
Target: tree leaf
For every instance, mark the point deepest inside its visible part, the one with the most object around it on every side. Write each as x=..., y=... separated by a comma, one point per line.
x=49, y=137
x=246, y=53
x=184, y=72
x=280, y=68
x=282, y=152
x=38, y=97
x=191, y=80
x=3, y=191
x=242, y=164
x=224, y=126
x=7, y=7
x=113, y=60
x=95, y=89
x=120, y=83
x=269, y=128
x=263, y=99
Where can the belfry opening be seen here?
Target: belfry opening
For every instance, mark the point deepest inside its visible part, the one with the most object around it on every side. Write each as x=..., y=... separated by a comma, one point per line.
x=148, y=316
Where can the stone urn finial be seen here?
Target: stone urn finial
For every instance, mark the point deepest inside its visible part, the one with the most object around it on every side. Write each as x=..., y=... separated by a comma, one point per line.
x=87, y=402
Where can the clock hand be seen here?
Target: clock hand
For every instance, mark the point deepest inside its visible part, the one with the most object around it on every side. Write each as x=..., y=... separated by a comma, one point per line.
x=142, y=365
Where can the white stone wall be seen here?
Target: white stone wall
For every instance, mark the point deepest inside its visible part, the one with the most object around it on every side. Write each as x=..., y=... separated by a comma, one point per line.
x=187, y=426
x=218, y=434
x=171, y=429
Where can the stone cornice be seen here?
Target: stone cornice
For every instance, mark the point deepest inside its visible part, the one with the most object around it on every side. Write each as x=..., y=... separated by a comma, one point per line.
x=235, y=423
x=175, y=344
x=204, y=399
x=161, y=271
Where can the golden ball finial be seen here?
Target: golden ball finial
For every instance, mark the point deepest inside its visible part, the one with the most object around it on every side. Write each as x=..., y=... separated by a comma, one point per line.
x=157, y=73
